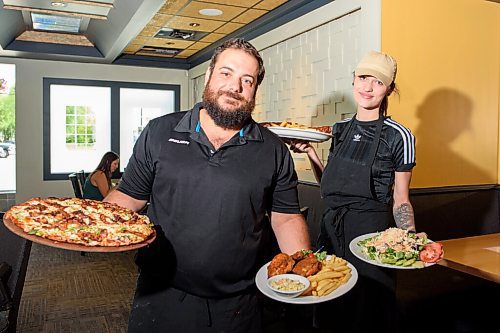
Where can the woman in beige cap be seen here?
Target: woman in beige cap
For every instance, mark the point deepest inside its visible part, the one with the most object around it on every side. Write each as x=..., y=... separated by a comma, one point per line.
x=368, y=173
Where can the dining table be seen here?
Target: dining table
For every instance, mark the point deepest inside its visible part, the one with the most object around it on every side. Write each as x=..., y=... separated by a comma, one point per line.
x=476, y=255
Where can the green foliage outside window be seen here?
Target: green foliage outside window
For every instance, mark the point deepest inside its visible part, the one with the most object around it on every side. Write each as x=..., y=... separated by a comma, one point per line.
x=7, y=115
x=80, y=126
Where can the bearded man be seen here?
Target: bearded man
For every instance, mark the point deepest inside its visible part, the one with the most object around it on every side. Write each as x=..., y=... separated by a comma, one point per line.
x=212, y=175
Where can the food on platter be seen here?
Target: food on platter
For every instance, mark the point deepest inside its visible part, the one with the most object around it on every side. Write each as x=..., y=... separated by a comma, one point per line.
x=282, y=263
x=325, y=273
x=398, y=247
x=288, y=285
x=307, y=297
x=431, y=252
x=307, y=266
x=334, y=273
x=81, y=221
x=303, y=262
x=291, y=124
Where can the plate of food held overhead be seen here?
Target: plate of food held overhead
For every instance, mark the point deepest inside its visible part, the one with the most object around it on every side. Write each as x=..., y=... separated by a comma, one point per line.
x=292, y=130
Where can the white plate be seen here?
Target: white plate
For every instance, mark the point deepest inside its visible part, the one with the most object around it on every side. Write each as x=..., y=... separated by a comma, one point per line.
x=358, y=252
x=261, y=282
x=300, y=133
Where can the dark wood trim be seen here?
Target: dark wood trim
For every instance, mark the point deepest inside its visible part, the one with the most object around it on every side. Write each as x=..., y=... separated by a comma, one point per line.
x=434, y=190
x=53, y=48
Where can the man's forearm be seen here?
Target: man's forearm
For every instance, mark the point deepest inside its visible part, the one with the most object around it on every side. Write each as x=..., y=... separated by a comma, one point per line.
x=124, y=200
x=291, y=232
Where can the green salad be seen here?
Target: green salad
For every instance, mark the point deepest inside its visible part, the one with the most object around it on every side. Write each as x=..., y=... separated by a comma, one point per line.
x=394, y=246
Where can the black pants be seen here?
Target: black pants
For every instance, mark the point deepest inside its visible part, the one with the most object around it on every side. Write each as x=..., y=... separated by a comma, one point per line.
x=373, y=298
x=171, y=310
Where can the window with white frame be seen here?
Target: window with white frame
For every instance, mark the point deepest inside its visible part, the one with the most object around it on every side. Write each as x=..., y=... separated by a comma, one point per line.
x=80, y=126
x=137, y=108
x=84, y=119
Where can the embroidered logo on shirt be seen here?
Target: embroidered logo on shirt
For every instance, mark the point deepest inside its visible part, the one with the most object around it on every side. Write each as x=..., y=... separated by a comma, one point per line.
x=182, y=142
x=357, y=137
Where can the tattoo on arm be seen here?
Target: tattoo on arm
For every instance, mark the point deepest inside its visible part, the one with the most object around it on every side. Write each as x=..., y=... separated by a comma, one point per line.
x=403, y=216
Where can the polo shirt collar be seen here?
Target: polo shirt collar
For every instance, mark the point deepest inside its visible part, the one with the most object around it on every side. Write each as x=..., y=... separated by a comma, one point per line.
x=190, y=122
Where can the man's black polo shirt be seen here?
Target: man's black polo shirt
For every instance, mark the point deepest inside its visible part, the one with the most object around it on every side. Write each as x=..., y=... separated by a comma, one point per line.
x=211, y=204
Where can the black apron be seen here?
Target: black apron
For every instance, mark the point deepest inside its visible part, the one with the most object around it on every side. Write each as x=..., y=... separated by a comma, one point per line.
x=353, y=210
x=352, y=184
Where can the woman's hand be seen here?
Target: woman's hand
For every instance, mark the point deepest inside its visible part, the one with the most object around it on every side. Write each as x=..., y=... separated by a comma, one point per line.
x=299, y=146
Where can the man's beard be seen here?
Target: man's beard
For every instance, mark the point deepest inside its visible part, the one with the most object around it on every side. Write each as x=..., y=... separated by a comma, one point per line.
x=223, y=117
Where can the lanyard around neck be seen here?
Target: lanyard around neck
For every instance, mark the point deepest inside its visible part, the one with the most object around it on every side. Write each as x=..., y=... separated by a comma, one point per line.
x=198, y=128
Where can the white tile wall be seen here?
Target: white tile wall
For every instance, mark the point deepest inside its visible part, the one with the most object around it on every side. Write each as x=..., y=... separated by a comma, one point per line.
x=308, y=78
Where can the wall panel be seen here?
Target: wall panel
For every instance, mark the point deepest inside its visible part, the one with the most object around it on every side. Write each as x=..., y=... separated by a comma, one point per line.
x=449, y=69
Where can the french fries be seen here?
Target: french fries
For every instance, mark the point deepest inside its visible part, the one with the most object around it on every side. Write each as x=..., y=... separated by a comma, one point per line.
x=291, y=124
x=332, y=275
x=288, y=124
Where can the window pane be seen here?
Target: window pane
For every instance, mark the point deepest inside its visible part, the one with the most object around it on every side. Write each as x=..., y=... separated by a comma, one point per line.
x=7, y=128
x=80, y=127
x=137, y=108
x=55, y=23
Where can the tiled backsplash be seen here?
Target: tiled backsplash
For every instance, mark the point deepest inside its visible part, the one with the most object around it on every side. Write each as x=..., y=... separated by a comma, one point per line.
x=308, y=80
x=7, y=200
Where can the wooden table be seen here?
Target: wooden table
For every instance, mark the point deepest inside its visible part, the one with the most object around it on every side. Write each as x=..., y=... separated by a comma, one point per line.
x=478, y=255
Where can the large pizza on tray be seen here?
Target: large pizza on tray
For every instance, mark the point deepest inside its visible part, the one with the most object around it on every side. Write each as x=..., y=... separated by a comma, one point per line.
x=80, y=221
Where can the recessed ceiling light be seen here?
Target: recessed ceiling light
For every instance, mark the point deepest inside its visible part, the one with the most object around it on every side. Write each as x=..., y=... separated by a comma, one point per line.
x=210, y=12
x=58, y=4
x=194, y=24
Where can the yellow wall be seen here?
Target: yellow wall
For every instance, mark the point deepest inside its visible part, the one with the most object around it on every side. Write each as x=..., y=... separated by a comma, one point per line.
x=448, y=52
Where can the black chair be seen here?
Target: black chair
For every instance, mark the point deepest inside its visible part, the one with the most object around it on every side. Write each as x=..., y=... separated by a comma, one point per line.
x=77, y=187
x=81, y=178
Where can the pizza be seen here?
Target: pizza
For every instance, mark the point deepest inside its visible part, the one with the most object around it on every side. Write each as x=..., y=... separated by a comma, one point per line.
x=81, y=221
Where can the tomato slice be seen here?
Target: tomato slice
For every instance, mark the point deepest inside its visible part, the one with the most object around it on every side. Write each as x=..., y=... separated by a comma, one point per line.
x=435, y=245
x=431, y=253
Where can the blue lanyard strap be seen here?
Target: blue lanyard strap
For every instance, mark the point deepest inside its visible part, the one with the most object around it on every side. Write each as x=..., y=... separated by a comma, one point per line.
x=198, y=127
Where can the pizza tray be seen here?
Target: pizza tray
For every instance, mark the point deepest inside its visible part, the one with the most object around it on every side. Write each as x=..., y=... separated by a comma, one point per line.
x=74, y=247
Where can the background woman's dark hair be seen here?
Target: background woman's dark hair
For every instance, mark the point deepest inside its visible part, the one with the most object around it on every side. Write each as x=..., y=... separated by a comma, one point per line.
x=239, y=44
x=105, y=164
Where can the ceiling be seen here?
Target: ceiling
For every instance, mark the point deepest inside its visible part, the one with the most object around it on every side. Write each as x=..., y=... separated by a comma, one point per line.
x=157, y=33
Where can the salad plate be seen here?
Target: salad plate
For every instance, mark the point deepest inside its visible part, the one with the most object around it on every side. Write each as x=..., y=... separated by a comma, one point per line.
x=359, y=251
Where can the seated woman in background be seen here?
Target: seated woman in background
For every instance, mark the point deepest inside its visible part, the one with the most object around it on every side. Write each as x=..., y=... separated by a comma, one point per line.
x=98, y=183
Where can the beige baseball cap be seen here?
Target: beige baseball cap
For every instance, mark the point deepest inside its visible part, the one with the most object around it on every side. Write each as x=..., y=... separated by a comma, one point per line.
x=380, y=65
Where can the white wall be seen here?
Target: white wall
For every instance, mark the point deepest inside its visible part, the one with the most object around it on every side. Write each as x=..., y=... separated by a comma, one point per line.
x=309, y=64
x=29, y=115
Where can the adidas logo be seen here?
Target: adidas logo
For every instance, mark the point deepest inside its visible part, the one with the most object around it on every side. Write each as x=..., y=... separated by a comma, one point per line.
x=357, y=137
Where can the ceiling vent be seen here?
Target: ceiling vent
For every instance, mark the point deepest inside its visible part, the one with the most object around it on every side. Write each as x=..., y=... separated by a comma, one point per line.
x=180, y=34
x=166, y=51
